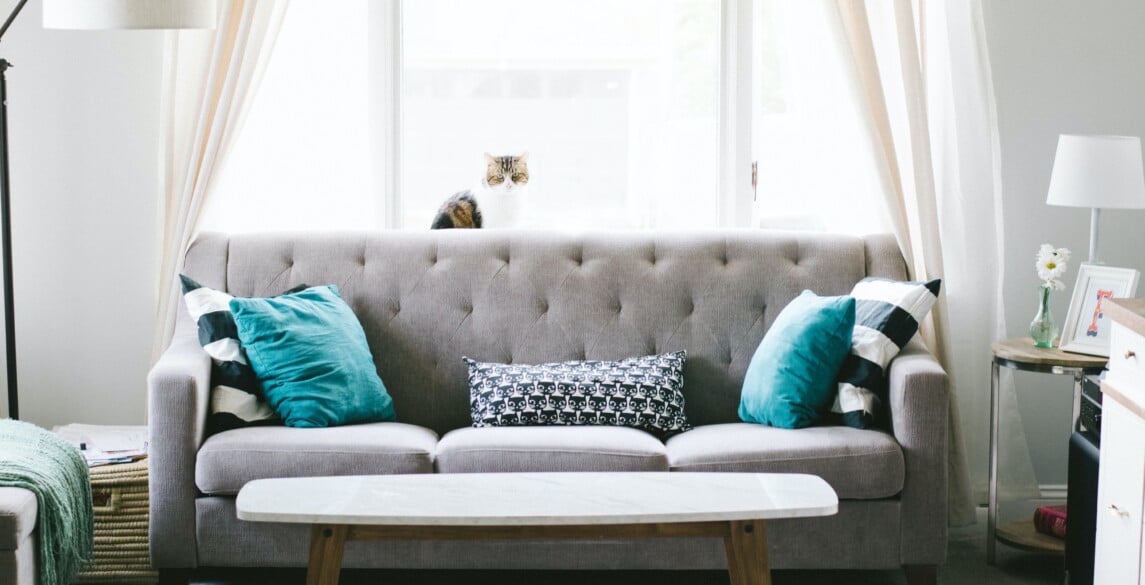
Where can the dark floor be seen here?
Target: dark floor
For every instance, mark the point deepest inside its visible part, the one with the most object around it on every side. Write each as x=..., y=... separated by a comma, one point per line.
x=351, y=577
x=966, y=565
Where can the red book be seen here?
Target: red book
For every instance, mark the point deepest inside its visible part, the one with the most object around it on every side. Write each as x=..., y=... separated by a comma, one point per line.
x=1050, y=520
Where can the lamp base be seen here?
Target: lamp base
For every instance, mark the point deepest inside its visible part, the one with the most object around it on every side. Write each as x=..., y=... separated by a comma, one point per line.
x=1094, y=220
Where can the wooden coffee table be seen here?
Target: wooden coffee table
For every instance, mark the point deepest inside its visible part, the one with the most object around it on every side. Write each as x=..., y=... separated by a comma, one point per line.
x=503, y=506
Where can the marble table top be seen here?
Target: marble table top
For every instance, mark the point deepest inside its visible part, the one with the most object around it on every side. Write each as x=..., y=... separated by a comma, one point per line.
x=536, y=499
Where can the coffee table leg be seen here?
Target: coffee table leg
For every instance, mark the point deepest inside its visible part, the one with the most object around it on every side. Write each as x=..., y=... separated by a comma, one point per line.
x=747, y=553
x=326, y=545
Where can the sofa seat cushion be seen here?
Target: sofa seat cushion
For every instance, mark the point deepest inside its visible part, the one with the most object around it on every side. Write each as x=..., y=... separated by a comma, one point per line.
x=858, y=464
x=18, y=510
x=228, y=460
x=592, y=448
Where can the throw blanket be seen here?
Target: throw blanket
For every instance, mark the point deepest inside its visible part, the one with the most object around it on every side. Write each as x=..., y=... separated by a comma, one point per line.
x=55, y=470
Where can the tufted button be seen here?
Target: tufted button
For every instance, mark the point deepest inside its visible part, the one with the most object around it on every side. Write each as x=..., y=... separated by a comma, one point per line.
x=544, y=307
x=467, y=307
x=362, y=261
x=578, y=257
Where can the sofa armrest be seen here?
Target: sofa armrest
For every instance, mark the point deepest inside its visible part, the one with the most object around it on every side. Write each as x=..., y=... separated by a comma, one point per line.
x=178, y=392
x=919, y=402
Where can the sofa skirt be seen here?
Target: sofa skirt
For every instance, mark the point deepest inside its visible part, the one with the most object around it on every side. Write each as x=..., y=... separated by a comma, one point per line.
x=865, y=534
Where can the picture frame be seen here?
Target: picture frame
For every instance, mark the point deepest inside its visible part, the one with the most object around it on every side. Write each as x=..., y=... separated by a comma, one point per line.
x=1086, y=328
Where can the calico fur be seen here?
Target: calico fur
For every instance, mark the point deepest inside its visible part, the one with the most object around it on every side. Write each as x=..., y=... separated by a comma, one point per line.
x=459, y=211
x=496, y=202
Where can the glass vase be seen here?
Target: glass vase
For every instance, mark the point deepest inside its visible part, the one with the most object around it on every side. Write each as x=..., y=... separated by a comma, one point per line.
x=1043, y=329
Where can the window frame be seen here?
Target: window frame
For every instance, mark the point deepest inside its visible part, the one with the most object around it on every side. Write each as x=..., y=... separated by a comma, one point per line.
x=735, y=199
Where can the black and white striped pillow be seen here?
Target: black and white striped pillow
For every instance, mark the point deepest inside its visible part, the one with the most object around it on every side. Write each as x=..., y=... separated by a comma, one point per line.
x=887, y=314
x=236, y=397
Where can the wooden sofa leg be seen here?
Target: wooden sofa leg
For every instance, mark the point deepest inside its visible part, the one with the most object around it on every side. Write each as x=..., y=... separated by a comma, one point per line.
x=174, y=576
x=921, y=574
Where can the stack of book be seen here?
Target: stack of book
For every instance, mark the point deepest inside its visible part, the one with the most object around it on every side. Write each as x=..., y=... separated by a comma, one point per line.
x=1050, y=520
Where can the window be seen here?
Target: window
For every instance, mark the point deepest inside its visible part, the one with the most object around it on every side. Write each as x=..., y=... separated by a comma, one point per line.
x=303, y=159
x=616, y=102
x=636, y=114
x=817, y=170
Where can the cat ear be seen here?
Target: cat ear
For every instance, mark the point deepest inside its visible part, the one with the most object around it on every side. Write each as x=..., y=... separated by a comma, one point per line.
x=524, y=157
x=490, y=159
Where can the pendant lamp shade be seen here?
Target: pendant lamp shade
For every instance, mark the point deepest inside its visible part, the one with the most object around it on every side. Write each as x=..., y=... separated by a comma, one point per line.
x=129, y=14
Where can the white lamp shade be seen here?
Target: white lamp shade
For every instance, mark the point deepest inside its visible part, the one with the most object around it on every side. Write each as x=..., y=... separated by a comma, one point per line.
x=126, y=14
x=1102, y=172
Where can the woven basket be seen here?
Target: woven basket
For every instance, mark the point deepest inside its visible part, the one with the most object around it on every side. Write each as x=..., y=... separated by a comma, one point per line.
x=121, y=554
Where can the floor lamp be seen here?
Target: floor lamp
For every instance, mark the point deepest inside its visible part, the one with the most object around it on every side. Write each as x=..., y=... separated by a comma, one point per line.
x=79, y=15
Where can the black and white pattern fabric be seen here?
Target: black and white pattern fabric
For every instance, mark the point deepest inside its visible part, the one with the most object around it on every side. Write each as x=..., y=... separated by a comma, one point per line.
x=643, y=392
x=887, y=314
x=236, y=395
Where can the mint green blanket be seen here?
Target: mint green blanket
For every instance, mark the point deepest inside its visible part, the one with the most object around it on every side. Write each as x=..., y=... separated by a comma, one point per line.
x=55, y=470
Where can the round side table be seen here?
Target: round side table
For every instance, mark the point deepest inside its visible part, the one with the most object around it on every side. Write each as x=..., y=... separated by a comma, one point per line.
x=1021, y=354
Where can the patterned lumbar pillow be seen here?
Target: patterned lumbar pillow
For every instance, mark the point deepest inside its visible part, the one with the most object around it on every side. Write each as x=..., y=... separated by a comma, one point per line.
x=236, y=398
x=887, y=314
x=643, y=392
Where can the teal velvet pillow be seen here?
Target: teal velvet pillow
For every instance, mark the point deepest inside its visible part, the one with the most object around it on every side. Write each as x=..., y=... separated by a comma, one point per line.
x=790, y=382
x=310, y=354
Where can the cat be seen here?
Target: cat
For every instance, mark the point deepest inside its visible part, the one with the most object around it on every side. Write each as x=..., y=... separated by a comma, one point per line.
x=497, y=202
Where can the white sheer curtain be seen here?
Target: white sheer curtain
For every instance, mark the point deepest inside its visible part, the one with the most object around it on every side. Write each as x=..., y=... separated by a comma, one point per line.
x=210, y=78
x=888, y=106
x=925, y=78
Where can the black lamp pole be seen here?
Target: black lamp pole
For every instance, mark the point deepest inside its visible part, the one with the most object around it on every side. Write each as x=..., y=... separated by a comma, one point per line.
x=6, y=228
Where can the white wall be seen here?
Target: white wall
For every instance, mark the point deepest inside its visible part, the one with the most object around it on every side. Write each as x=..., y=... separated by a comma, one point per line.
x=83, y=111
x=1059, y=67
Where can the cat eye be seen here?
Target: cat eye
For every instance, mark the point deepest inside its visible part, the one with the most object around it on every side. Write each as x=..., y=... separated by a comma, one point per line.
x=496, y=180
x=518, y=177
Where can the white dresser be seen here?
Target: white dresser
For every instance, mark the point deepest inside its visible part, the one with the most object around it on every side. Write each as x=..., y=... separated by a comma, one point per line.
x=1121, y=480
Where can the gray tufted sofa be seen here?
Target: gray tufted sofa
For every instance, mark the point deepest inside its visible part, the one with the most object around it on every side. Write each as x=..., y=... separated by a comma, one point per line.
x=427, y=298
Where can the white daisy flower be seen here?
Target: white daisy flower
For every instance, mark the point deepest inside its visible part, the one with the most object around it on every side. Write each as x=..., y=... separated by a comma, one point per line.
x=1052, y=265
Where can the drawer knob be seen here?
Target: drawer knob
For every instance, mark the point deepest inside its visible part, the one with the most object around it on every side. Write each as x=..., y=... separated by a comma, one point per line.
x=1115, y=511
x=1129, y=353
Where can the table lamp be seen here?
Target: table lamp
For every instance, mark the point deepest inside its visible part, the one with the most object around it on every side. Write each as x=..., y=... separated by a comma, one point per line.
x=86, y=15
x=1099, y=172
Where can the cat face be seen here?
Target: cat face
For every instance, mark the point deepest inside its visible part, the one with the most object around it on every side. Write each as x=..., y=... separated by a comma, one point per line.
x=507, y=173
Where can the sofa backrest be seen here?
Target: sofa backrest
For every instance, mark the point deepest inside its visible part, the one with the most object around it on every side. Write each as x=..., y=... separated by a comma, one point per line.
x=425, y=299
